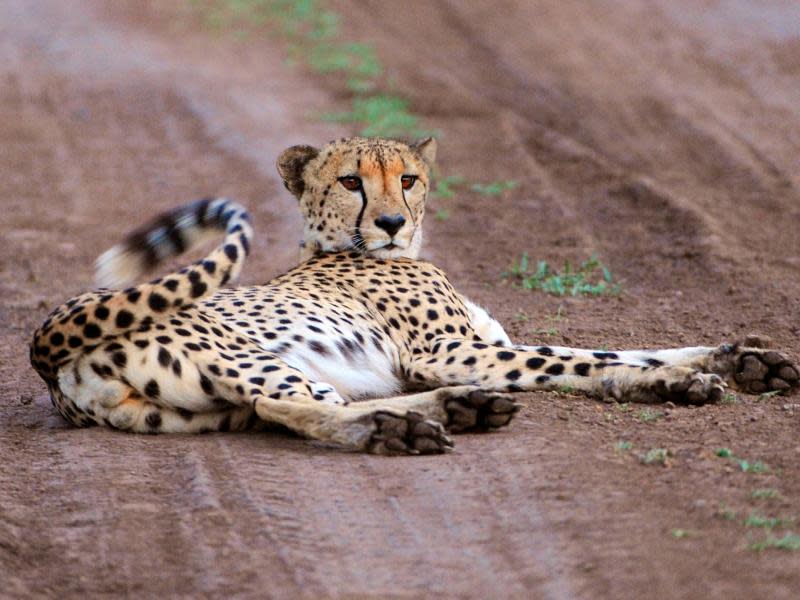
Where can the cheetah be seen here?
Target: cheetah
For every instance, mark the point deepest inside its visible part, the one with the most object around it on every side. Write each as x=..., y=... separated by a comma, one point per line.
x=362, y=345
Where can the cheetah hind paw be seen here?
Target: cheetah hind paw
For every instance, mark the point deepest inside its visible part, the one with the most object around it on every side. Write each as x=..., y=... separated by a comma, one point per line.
x=749, y=367
x=408, y=433
x=680, y=385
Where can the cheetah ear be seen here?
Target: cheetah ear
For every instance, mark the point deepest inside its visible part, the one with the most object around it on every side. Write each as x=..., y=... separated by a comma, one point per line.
x=291, y=163
x=426, y=148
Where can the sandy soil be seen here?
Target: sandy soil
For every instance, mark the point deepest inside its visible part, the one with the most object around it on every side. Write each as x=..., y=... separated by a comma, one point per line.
x=663, y=135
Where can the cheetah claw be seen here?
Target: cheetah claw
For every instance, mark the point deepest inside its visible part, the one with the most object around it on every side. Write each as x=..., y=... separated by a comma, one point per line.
x=408, y=433
x=479, y=411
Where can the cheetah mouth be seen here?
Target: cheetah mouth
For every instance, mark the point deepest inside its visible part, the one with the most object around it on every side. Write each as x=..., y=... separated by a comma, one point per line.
x=390, y=245
x=379, y=248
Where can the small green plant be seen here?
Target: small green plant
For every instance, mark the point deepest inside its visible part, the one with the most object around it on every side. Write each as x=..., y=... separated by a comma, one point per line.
x=752, y=467
x=729, y=398
x=768, y=395
x=726, y=512
x=551, y=331
x=790, y=541
x=521, y=317
x=755, y=520
x=648, y=415
x=565, y=389
x=623, y=446
x=589, y=278
x=358, y=61
x=560, y=314
x=442, y=214
x=682, y=533
x=765, y=493
x=658, y=456
x=547, y=331
x=624, y=407
x=745, y=465
x=383, y=115
x=445, y=186
x=495, y=188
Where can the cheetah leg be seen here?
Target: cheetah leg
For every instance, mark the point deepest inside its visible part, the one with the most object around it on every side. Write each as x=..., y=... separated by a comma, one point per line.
x=280, y=393
x=374, y=427
x=232, y=395
x=499, y=368
x=745, y=366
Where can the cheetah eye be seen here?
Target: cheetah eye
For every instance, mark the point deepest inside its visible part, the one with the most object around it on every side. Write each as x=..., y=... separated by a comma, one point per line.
x=408, y=181
x=350, y=183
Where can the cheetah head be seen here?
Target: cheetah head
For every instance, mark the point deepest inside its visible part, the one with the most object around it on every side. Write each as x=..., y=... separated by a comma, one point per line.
x=363, y=194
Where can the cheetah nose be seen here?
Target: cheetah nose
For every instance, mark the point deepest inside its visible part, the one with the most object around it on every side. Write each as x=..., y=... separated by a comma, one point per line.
x=391, y=224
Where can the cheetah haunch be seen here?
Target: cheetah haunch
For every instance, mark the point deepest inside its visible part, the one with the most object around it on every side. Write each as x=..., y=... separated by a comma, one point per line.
x=360, y=319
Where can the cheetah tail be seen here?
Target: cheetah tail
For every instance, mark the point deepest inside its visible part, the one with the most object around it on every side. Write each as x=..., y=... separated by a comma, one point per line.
x=83, y=321
x=168, y=235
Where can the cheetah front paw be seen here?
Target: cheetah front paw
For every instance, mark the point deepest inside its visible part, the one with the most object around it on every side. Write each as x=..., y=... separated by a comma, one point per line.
x=408, y=433
x=478, y=410
x=753, y=369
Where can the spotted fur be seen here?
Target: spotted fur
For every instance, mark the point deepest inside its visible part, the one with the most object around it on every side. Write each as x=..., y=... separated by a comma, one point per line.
x=360, y=319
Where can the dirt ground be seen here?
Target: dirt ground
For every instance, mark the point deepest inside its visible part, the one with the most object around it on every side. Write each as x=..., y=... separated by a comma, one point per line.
x=664, y=135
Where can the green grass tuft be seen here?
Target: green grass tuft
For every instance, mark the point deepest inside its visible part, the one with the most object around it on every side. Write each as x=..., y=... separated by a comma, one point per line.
x=790, y=541
x=623, y=446
x=682, y=533
x=383, y=116
x=752, y=467
x=445, y=186
x=657, y=456
x=755, y=520
x=648, y=415
x=765, y=493
x=442, y=214
x=356, y=59
x=495, y=188
x=589, y=278
x=745, y=465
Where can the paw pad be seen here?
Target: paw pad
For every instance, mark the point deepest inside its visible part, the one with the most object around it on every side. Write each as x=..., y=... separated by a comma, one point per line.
x=759, y=372
x=480, y=411
x=408, y=433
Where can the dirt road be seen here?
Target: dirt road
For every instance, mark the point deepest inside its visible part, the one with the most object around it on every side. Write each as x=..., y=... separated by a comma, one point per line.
x=662, y=136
